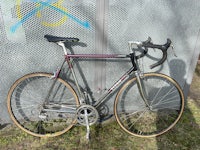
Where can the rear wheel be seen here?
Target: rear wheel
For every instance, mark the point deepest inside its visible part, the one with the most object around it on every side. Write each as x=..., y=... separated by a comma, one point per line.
x=40, y=111
x=166, y=103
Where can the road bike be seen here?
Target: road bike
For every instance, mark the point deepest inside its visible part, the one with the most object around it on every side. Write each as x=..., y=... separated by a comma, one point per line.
x=146, y=104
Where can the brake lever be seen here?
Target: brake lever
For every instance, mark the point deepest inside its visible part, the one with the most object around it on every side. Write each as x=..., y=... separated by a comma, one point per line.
x=172, y=46
x=151, y=41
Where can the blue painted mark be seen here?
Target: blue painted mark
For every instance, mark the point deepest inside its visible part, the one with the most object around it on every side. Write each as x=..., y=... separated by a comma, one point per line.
x=85, y=24
x=46, y=4
x=26, y=17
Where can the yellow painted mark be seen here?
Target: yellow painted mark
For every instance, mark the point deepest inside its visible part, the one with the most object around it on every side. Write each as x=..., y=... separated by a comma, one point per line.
x=58, y=4
x=19, y=15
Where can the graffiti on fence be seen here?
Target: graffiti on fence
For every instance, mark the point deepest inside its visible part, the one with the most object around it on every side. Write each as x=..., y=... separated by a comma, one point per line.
x=41, y=5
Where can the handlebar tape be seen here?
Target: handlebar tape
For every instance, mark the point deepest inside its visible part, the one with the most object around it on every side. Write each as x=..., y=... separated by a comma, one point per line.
x=147, y=44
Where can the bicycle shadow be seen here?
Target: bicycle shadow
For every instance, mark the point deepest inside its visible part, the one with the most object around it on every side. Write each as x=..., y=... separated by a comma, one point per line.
x=182, y=131
x=18, y=102
x=3, y=124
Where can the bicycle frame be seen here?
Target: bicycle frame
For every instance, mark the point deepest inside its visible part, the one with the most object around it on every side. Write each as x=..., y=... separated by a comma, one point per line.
x=69, y=58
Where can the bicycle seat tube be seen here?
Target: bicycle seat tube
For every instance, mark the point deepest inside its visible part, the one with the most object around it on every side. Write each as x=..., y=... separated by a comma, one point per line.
x=67, y=58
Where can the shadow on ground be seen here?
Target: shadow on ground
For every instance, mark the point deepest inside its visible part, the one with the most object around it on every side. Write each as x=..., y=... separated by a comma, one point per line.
x=185, y=135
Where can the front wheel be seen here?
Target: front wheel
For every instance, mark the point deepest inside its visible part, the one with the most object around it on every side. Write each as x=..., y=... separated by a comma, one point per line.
x=165, y=105
x=42, y=106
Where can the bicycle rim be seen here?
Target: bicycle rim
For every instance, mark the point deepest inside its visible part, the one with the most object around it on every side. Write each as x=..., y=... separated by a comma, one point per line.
x=25, y=102
x=164, y=97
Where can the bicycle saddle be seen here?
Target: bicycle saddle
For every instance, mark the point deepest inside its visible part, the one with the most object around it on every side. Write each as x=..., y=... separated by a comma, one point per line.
x=52, y=38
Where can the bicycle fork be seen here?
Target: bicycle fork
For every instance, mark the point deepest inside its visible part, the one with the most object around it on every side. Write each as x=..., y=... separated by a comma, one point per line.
x=141, y=88
x=138, y=75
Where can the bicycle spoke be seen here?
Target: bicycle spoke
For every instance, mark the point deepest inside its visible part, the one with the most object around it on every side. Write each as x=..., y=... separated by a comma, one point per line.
x=173, y=108
x=166, y=103
x=129, y=115
x=137, y=119
x=157, y=94
x=165, y=95
x=31, y=96
x=172, y=99
x=169, y=94
x=26, y=107
x=25, y=101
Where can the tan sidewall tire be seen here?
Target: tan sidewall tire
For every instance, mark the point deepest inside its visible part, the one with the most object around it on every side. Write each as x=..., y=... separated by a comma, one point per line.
x=34, y=75
x=145, y=75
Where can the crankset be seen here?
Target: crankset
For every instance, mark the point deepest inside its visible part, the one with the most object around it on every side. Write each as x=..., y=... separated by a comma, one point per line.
x=87, y=112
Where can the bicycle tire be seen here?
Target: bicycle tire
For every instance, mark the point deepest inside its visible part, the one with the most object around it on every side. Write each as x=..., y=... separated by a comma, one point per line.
x=166, y=101
x=25, y=103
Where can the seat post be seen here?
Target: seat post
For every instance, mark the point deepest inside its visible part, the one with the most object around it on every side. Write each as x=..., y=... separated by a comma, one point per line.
x=61, y=43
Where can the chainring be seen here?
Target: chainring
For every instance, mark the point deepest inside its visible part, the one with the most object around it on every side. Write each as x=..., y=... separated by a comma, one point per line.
x=91, y=112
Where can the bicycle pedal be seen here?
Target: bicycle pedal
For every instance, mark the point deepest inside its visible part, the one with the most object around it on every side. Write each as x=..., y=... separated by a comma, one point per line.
x=172, y=46
x=141, y=74
x=41, y=116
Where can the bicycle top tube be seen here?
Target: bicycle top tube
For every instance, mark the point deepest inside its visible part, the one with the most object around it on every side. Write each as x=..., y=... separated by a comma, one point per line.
x=97, y=56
